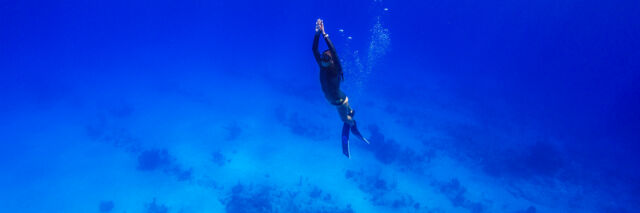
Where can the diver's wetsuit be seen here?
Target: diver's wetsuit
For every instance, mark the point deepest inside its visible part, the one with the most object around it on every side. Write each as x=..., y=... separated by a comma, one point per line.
x=330, y=78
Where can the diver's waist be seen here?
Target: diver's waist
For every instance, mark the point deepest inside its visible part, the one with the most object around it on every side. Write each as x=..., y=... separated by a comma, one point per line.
x=338, y=101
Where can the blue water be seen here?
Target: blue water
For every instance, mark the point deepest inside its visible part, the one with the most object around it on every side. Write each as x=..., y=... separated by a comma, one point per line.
x=216, y=106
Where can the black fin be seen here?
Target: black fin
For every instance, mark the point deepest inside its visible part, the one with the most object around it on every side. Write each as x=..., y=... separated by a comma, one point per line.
x=345, y=140
x=356, y=132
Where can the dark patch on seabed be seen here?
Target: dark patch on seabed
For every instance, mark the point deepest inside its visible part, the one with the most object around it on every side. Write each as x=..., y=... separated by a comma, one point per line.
x=271, y=198
x=382, y=193
x=301, y=125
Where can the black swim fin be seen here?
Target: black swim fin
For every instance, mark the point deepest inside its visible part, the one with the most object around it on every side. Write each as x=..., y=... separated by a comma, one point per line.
x=356, y=132
x=345, y=140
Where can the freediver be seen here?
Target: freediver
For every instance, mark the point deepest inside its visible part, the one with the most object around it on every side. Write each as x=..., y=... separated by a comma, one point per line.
x=330, y=77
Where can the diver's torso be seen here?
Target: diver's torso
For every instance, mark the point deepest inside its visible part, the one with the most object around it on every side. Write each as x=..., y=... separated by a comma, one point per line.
x=330, y=82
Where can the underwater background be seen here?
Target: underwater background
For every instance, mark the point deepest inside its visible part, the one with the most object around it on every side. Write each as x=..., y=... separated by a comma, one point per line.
x=215, y=106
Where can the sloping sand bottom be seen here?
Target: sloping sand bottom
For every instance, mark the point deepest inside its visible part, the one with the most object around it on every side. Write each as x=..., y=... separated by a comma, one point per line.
x=189, y=150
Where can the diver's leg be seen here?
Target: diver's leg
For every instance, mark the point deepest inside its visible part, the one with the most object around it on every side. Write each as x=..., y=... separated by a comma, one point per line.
x=346, y=114
x=345, y=111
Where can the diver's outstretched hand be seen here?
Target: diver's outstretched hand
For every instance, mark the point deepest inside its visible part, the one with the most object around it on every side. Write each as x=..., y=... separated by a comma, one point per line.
x=320, y=26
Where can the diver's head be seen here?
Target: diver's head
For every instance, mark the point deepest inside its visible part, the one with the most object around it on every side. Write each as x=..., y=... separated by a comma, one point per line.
x=326, y=60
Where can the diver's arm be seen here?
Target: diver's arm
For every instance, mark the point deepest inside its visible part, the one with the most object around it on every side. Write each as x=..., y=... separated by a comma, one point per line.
x=316, y=54
x=332, y=49
x=329, y=44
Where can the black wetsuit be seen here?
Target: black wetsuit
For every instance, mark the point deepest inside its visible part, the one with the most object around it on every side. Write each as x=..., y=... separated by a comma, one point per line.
x=331, y=76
